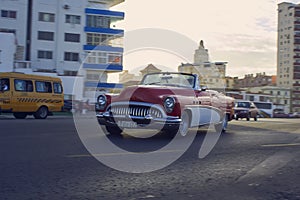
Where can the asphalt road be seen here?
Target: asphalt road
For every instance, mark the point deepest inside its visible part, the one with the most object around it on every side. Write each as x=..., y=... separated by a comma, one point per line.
x=45, y=159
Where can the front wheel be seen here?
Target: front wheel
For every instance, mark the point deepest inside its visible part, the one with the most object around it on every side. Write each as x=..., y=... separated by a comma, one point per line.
x=41, y=113
x=20, y=115
x=185, y=124
x=114, y=130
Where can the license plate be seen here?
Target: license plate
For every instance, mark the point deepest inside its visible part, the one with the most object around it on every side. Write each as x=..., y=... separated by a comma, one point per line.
x=127, y=124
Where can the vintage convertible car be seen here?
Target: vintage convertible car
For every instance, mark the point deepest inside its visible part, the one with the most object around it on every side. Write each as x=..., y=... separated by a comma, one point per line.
x=169, y=102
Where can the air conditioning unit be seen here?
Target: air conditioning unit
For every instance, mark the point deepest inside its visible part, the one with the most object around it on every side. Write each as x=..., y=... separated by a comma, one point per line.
x=66, y=7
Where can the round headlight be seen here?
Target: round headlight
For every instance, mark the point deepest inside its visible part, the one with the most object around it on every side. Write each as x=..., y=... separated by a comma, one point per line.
x=169, y=104
x=102, y=100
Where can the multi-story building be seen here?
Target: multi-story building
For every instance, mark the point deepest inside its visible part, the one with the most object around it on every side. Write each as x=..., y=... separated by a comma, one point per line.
x=212, y=74
x=61, y=37
x=260, y=79
x=288, y=51
x=128, y=79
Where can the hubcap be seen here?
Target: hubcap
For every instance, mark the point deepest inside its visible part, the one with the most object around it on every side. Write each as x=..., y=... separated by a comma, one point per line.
x=184, y=126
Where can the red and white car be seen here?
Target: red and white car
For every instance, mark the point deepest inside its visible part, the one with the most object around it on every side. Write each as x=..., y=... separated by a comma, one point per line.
x=169, y=102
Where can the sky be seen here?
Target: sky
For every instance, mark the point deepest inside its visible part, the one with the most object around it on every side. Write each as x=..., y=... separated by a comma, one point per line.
x=240, y=32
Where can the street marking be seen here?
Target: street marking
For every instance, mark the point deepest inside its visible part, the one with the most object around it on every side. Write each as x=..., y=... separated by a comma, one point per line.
x=268, y=166
x=120, y=154
x=281, y=145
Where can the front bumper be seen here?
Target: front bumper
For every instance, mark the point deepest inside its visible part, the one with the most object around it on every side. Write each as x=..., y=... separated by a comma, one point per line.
x=134, y=122
x=242, y=114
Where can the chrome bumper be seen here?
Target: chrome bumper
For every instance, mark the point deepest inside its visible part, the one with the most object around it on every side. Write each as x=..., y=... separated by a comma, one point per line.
x=147, y=121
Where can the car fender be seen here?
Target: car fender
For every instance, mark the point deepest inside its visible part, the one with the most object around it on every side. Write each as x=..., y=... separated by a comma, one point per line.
x=204, y=115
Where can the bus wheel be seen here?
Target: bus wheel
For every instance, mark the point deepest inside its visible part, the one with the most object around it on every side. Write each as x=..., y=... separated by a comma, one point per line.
x=20, y=115
x=42, y=113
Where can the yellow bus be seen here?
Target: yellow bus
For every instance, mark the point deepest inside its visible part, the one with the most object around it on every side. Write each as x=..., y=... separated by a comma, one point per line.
x=24, y=94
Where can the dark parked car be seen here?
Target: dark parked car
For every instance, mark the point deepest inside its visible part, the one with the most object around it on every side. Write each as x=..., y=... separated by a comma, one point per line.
x=245, y=109
x=279, y=113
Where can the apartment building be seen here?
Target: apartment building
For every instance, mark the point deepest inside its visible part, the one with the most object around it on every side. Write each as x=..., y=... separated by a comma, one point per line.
x=258, y=80
x=288, y=53
x=67, y=38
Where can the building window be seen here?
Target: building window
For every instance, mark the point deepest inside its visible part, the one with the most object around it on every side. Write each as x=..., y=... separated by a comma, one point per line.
x=97, y=39
x=114, y=58
x=9, y=14
x=70, y=73
x=97, y=57
x=73, y=19
x=94, y=77
x=71, y=37
x=45, y=54
x=71, y=56
x=98, y=21
x=46, y=17
x=4, y=30
x=43, y=35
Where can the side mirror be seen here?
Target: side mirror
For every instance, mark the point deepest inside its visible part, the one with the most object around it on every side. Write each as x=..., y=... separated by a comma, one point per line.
x=203, y=88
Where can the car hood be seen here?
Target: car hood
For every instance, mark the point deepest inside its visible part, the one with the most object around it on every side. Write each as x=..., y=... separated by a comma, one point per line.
x=240, y=108
x=151, y=93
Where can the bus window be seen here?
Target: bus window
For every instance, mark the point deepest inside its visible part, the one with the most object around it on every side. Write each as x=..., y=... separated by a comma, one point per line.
x=57, y=88
x=23, y=85
x=44, y=87
x=4, y=84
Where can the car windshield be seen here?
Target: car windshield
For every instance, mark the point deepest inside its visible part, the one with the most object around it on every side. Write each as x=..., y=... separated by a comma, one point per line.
x=170, y=79
x=243, y=104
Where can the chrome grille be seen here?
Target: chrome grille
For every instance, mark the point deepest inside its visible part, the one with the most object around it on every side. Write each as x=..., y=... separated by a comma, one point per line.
x=136, y=111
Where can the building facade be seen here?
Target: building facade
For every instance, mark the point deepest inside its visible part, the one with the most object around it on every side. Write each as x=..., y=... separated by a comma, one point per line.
x=128, y=79
x=211, y=74
x=63, y=36
x=259, y=80
x=288, y=51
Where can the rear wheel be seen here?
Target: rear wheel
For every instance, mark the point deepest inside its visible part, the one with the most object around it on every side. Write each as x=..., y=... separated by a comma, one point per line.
x=42, y=113
x=20, y=115
x=222, y=126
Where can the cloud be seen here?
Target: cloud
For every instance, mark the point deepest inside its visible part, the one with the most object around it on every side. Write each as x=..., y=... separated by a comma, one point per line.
x=238, y=31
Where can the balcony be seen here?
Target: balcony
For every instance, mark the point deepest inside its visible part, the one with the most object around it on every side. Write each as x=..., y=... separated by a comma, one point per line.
x=297, y=50
x=109, y=31
x=103, y=85
x=104, y=67
x=104, y=48
x=296, y=56
x=110, y=3
x=296, y=63
x=107, y=13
